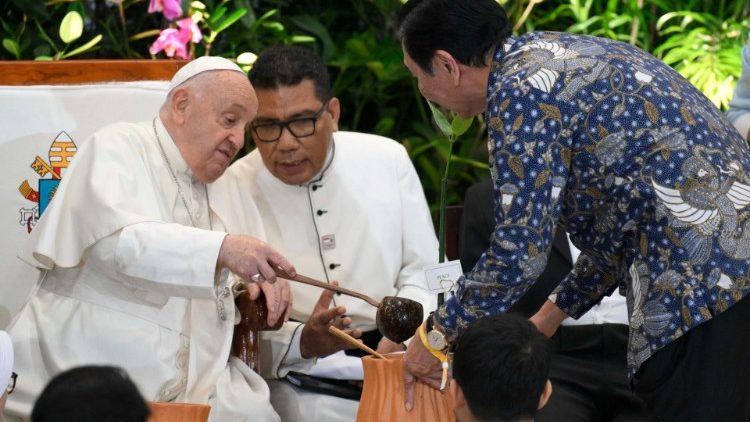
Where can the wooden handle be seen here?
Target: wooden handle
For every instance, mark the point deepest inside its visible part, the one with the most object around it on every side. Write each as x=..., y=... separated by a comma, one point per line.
x=353, y=341
x=313, y=282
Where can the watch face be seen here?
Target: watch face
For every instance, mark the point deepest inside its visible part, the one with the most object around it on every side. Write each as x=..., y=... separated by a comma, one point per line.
x=436, y=340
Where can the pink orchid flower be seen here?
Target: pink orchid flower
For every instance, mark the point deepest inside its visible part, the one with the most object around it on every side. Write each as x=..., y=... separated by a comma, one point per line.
x=171, y=8
x=172, y=42
x=189, y=29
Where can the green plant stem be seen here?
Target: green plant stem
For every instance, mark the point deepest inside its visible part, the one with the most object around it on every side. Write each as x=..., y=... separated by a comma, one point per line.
x=634, y=28
x=441, y=212
x=124, y=25
x=443, y=193
x=358, y=111
x=44, y=36
x=526, y=14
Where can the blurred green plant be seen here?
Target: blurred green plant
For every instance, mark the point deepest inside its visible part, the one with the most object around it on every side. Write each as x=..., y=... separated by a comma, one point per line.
x=125, y=30
x=70, y=30
x=705, y=49
x=701, y=39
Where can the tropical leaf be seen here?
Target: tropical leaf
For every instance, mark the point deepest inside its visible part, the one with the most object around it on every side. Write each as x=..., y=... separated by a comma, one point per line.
x=459, y=125
x=71, y=27
x=232, y=18
x=440, y=120
x=94, y=41
x=12, y=47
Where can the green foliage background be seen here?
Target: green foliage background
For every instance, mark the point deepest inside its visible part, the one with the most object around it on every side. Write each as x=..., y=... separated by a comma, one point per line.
x=700, y=38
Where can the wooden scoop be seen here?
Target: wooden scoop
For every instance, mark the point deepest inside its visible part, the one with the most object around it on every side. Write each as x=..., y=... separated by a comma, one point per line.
x=313, y=282
x=353, y=341
x=397, y=318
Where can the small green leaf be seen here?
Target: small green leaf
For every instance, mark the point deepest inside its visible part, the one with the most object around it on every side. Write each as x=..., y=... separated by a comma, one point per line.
x=12, y=47
x=302, y=39
x=275, y=26
x=468, y=161
x=246, y=61
x=94, y=41
x=247, y=58
x=217, y=14
x=71, y=27
x=234, y=17
x=440, y=120
x=376, y=68
x=460, y=125
x=145, y=34
x=43, y=58
x=265, y=16
x=312, y=24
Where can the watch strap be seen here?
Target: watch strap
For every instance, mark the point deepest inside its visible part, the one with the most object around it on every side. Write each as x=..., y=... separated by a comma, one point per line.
x=442, y=357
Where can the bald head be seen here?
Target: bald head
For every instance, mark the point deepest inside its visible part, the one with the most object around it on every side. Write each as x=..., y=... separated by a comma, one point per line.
x=206, y=114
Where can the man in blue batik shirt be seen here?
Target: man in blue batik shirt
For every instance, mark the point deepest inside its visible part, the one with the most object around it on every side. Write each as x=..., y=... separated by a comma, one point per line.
x=645, y=174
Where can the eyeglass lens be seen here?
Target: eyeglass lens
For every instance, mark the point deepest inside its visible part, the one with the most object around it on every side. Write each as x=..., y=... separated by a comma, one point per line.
x=299, y=128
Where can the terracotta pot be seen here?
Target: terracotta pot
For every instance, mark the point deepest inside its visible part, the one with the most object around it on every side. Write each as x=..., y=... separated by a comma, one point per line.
x=383, y=395
x=178, y=412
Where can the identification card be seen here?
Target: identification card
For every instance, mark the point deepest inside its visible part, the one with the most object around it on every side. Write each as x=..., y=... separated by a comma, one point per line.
x=441, y=278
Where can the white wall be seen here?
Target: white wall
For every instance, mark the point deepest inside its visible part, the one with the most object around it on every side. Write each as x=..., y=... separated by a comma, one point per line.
x=31, y=118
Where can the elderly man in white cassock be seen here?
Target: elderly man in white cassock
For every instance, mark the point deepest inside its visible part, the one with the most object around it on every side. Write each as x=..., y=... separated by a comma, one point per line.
x=137, y=269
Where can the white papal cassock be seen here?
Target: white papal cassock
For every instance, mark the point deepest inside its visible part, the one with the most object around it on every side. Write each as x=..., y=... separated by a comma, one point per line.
x=127, y=281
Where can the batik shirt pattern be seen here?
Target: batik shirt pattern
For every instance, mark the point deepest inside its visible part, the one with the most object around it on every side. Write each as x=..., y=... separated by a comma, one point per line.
x=646, y=175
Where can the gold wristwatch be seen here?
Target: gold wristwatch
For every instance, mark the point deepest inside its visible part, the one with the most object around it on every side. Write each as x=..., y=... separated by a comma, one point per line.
x=437, y=344
x=435, y=338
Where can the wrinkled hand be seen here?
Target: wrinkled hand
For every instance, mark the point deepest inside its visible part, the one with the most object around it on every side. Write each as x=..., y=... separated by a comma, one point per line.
x=548, y=318
x=315, y=340
x=246, y=256
x=420, y=365
x=278, y=298
x=386, y=346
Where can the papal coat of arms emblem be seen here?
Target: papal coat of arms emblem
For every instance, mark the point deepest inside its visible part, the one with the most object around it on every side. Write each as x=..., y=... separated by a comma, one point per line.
x=60, y=155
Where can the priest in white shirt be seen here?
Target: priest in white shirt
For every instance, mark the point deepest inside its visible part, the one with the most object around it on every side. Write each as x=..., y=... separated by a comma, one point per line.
x=345, y=206
x=135, y=261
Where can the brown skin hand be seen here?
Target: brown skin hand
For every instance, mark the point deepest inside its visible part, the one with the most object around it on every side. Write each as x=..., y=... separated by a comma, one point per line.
x=315, y=340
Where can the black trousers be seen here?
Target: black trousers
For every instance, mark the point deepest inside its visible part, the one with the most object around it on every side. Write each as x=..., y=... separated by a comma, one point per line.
x=589, y=377
x=704, y=375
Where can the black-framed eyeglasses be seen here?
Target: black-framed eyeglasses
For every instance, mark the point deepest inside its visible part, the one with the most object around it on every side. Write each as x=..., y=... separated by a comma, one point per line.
x=300, y=127
x=12, y=383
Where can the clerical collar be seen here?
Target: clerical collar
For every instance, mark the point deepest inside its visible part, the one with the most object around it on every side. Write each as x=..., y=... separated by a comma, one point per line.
x=329, y=160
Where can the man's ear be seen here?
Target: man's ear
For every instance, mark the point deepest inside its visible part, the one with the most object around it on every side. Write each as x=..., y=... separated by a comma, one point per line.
x=544, y=398
x=334, y=108
x=444, y=61
x=179, y=103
